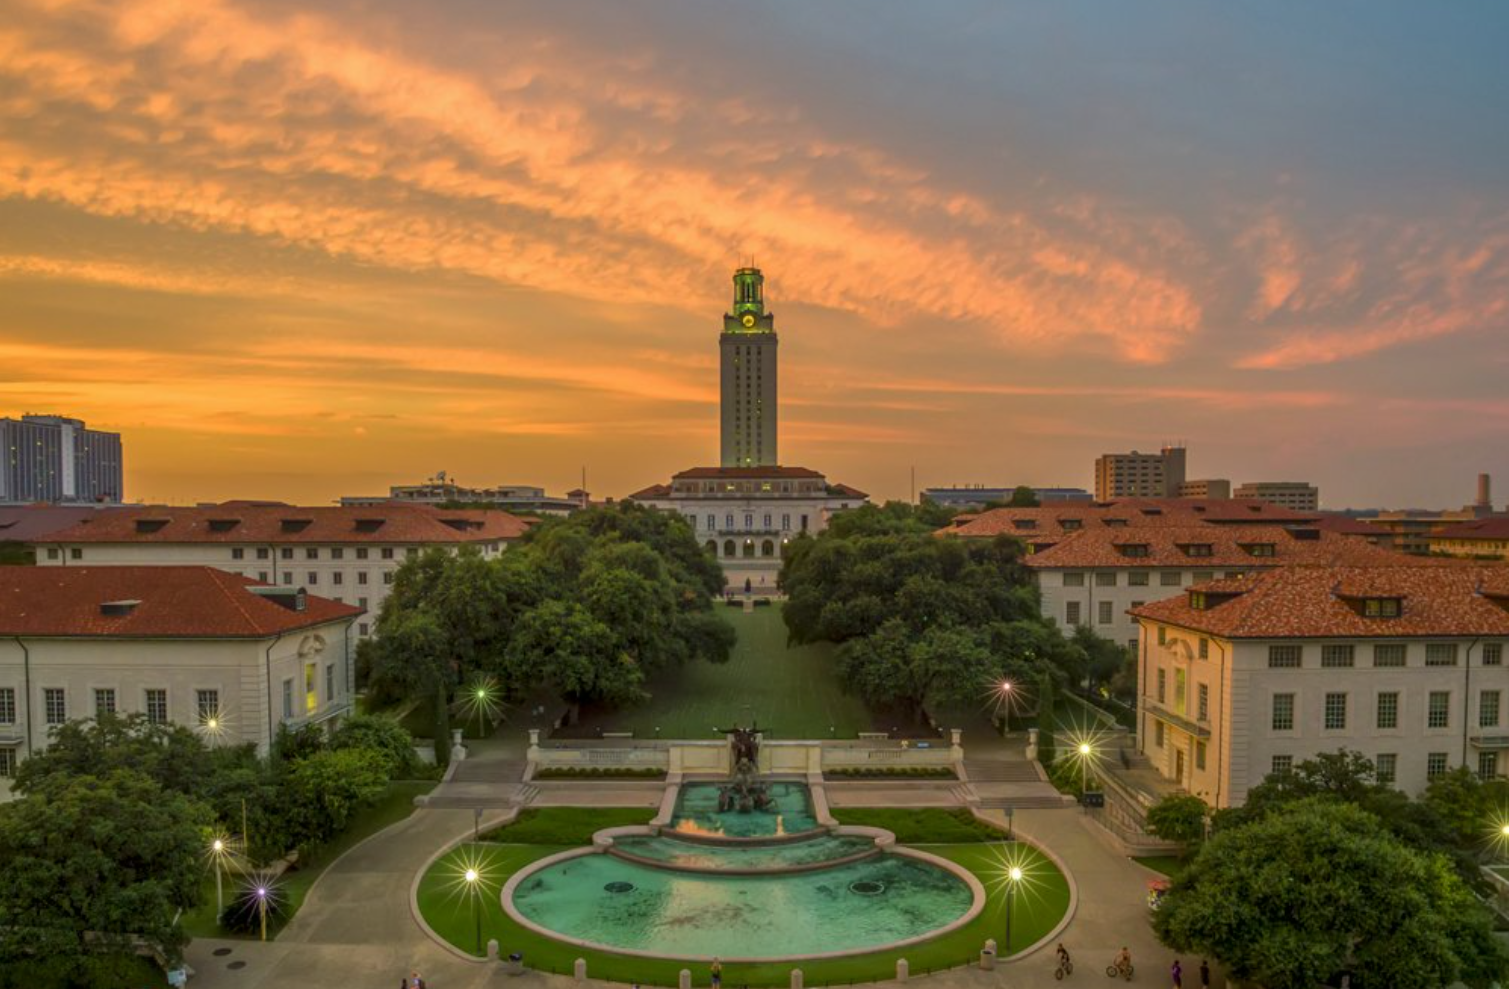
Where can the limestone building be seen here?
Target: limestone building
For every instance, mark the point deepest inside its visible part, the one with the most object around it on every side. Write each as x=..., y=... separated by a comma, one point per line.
x=747, y=376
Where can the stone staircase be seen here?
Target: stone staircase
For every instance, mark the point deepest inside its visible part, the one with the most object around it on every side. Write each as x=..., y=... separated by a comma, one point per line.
x=1001, y=771
x=497, y=797
x=488, y=771
x=1042, y=801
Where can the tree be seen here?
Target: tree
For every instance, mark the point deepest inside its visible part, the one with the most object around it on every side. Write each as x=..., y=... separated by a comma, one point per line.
x=412, y=658
x=1471, y=809
x=1178, y=817
x=380, y=734
x=172, y=755
x=1047, y=721
x=942, y=665
x=1317, y=888
x=87, y=862
x=322, y=791
x=562, y=644
x=1104, y=658
x=1023, y=497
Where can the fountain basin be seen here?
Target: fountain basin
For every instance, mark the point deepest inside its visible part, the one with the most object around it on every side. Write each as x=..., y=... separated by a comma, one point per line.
x=696, y=815
x=669, y=852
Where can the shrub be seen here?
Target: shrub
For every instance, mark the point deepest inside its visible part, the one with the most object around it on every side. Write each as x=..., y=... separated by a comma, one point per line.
x=242, y=915
x=381, y=734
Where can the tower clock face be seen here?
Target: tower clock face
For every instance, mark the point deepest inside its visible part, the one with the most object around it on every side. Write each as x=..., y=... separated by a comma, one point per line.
x=748, y=320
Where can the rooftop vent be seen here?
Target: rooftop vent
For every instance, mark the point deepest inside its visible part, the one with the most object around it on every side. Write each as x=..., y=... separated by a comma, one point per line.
x=118, y=609
x=369, y=525
x=292, y=598
x=150, y=525
x=296, y=525
x=223, y=525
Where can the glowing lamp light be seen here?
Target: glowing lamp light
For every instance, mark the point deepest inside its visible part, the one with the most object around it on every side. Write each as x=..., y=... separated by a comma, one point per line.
x=218, y=846
x=471, y=875
x=1084, y=748
x=1015, y=874
x=261, y=892
x=1504, y=830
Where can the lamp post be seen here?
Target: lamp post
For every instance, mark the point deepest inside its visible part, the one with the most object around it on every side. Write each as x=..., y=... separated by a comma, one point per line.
x=217, y=849
x=1005, y=691
x=1084, y=766
x=472, y=878
x=1013, y=876
x=262, y=908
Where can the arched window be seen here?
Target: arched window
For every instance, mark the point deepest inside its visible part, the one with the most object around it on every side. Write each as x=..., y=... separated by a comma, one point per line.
x=749, y=547
x=712, y=546
x=767, y=548
x=728, y=547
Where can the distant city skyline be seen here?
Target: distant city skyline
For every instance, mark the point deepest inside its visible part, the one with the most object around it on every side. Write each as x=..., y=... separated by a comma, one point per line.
x=300, y=251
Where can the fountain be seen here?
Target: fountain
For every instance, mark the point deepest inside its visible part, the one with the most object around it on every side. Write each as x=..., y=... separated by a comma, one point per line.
x=745, y=792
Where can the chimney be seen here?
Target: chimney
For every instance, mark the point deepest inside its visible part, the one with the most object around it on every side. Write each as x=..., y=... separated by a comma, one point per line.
x=1485, y=499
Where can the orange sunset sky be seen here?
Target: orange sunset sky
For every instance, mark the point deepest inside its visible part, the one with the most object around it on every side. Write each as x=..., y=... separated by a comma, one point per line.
x=305, y=250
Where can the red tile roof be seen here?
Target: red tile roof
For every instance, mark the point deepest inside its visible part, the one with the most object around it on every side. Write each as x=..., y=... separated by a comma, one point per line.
x=653, y=491
x=24, y=523
x=1325, y=602
x=244, y=523
x=848, y=492
x=1048, y=519
x=744, y=473
x=174, y=602
x=1230, y=547
x=1492, y=527
x=1346, y=525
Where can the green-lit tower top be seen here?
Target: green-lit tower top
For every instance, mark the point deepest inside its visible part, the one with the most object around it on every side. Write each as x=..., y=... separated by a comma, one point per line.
x=749, y=315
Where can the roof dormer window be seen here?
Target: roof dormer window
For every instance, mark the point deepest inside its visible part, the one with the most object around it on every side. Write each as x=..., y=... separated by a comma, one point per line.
x=1024, y=523
x=150, y=525
x=1070, y=525
x=1197, y=549
x=1382, y=607
x=295, y=525
x=1259, y=549
x=223, y=525
x=1115, y=523
x=1133, y=549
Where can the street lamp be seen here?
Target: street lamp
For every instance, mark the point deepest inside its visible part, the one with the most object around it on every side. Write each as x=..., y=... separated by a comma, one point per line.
x=1004, y=689
x=262, y=908
x=217, y=852
x=1013, y=877
x=1085, y=752
x=472, y=877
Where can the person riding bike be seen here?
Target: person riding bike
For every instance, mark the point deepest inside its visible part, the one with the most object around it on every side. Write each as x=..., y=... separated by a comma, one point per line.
x=1124, y=960
x=1063, y=954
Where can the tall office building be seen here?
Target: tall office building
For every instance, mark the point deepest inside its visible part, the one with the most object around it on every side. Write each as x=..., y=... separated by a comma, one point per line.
x=1139, y=475
x=748, y=347
x=53, y=458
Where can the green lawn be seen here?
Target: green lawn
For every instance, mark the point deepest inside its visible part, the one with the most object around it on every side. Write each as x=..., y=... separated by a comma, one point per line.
x=396, y=804
x=793, y=692
x=565, y=826
x=917, y=825
x=1038, y=906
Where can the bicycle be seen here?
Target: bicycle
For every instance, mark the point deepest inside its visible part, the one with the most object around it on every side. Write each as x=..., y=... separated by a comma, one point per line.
x=1123, y=969
x=1065, y=967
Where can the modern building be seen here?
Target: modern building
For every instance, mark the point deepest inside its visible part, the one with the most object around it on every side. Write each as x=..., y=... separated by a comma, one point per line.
x=1095, y=576
x=748, y=391
x=348, y=553
x=745, y=516
x=976, y=496
x=439, y=490
x=1297, y=495
x=45, y=458
x=1479, y=539
x=1210, y=487
x=1139, y=475
x=1404, y=664
x=1410, y=531
x=224, y=655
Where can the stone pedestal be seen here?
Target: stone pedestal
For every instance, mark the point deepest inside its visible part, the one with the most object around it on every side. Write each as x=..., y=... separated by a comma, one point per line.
x=902, y=970
x=988, y=956
x=684, y=980
x=796, y=978
x=579, y=970
x=492, y=949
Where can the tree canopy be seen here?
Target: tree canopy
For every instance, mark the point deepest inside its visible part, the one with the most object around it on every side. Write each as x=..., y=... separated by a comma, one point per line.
x=1316, y=888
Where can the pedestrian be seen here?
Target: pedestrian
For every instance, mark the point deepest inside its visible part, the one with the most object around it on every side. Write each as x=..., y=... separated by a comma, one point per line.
x=717, y=970
x=1204, y=974
x=1178, y=973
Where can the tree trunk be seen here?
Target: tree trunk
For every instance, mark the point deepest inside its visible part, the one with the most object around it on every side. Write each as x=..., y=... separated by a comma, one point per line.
x=442, y=727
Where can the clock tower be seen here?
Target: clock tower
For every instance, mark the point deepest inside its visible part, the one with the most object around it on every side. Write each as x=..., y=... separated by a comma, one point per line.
x=748, y=380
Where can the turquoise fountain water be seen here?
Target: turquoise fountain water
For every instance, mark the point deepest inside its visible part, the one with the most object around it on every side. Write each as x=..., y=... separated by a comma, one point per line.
x=754, y=886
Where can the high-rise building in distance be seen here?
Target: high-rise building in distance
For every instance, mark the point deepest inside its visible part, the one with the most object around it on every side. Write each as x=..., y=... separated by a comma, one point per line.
x=1139, y=475
x=748, y=378
x=56, y=459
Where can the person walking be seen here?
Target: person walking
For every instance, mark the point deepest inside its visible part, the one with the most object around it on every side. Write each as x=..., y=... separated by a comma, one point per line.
x=1204, y=974
x=717, y=971
x=1178, y=974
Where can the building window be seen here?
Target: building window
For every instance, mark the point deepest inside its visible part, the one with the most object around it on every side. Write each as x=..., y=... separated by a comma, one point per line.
x=1106, y=612
x=1488, y=709
x=1336, y=657
x=337, y=553
x=1388, y=709
x=1336, y=712
x=157, y=706
x=314, y=578
x=288, y=699
x=361, y=577
x=1493, y=654
x=311, y=553
x=1170, y=578
x=1163, y=635
x=237, y=553
x=1438, y=712
x=337, y=578
x=1381, y=608
x=1202, y=705
x=1488, y=765
x=1105, y=579
x=1137, y=578
x=1388, y=654
x=7, y=705
x=262, y=553
x=311, y=695
x=1283, y=712
x=1074, y=580
x=1158, y=734
x=387, y=552
x=411, y=552
x=329, y=682
x=7, y=762
x=1435, y=765
x=1200, y=755
x=1162, y=686
x=287, y=577
x=75, y=553
x=1387, y=765
x=262, y=576
x=54, y=705
x=1440, y=654
x=104, y=701
x=1071, y=612
x=206, y=705
x=1281, y=764
x=286, y=552
x=1204, y=647
x=361, y=552
x=387, y=577
x=361, y=628
x=52, y=552
x=1285, y=657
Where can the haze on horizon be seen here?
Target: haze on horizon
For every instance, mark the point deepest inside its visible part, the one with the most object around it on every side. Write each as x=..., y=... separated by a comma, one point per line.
x=300, y=250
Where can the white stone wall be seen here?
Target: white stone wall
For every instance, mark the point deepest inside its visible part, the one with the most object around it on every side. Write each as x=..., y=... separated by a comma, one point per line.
x=237, y=669
x=1243, y=742
x=1093, y=596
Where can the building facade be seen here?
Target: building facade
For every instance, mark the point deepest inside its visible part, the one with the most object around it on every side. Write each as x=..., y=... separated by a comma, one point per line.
x=1297, y=495
x=349, y=554
x=745, y=516
x=1480, y=539
x=517, y=498
x=195, y=646
x=1140, y=475
x=1241, y=678
x=55, y=459
x=1210, y=487
x=748, y=351
x=975, y=496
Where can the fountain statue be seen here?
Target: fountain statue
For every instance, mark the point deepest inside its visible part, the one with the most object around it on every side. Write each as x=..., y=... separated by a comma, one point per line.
x=744, y=791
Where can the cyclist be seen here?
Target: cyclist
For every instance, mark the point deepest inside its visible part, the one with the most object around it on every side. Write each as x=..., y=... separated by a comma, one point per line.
x=1063, y=956
x=1124, y=960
